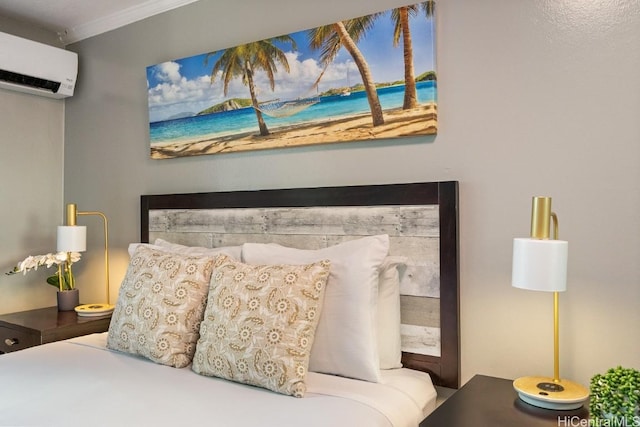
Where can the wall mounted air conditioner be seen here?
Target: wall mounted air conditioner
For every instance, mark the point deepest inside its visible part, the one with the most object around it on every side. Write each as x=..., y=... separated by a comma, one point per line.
x=36, y=68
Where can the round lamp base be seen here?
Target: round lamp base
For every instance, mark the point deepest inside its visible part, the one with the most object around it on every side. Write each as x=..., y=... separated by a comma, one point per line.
x=544, y=392
x=94, y=310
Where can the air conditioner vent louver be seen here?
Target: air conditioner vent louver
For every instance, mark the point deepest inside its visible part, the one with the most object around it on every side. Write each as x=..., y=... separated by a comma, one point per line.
x=29, y=81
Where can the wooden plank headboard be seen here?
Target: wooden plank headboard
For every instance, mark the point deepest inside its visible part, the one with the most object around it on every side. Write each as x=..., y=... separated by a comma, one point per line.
x=420, y=218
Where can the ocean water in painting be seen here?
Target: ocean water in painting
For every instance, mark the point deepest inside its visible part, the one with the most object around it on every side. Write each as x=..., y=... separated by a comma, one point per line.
x=243, y=120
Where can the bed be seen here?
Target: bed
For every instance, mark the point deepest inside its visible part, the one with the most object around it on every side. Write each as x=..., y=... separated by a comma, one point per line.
x=356, y=356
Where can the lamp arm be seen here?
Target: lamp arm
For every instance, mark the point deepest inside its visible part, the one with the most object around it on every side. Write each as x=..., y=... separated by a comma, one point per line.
x=106, y=245
x=556, y=316
x=556, y=338
x=554, y=218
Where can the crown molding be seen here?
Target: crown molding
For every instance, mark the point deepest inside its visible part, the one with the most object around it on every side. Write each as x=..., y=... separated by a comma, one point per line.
x=120, y=19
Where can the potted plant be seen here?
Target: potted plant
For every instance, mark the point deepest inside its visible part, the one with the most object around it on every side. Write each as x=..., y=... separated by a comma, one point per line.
x=63, y=280
x=615, y=397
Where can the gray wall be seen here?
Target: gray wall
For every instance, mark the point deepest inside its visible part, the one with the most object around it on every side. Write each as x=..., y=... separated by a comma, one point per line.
x=28, y=31
x=31, y=136
x=535, y=98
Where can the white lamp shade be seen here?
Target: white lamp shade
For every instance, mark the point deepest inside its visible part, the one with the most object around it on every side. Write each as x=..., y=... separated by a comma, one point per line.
x=540, y=265
x=72, y=238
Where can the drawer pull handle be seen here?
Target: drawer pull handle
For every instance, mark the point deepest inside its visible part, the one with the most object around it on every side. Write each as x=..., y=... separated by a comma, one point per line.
x=11, y=341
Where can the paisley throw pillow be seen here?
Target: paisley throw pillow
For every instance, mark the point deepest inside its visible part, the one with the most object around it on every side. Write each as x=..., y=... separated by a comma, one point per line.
x=260, y=323
x=160, y=306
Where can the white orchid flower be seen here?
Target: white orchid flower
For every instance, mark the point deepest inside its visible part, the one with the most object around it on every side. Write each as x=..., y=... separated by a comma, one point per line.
x=29, y=263
x=75, y=257
x=33, y=262
x=50, y=260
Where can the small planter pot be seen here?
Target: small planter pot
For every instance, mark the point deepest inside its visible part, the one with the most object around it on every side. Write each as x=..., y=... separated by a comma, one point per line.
x=68, y=300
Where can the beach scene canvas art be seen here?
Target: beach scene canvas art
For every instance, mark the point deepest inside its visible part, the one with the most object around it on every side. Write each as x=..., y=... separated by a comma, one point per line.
x=360, y=79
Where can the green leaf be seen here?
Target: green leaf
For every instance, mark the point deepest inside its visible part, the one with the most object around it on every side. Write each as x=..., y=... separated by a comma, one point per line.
x=53, y=281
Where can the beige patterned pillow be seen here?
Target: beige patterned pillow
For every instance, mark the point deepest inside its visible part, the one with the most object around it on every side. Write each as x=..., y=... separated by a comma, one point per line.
x=260, y=323
x=160, y=306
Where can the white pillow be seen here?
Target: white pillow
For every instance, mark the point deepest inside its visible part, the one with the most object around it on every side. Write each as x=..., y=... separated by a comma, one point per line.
x=346, y=338
x=234, y=252
x=389, y=342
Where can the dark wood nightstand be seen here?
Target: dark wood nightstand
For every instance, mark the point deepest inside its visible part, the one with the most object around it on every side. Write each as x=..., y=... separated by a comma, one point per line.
x=492, y=402
x=34, y=327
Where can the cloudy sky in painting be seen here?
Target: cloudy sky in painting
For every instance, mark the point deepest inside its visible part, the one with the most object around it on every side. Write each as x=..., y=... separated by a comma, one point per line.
x=184, y=86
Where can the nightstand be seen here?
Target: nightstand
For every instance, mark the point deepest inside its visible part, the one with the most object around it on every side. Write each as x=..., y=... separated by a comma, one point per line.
x=492, y=402
x=34, y=327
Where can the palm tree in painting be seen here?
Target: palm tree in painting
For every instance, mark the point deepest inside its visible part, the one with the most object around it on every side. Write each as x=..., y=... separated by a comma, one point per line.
x=243, y=61
x=400, y=17
x=330, y=38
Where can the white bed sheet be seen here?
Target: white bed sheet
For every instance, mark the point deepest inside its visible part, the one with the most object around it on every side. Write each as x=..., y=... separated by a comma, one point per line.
x=80, y=382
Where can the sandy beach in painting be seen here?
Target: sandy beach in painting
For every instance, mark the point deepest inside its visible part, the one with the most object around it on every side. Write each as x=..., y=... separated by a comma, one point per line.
x=398, y=123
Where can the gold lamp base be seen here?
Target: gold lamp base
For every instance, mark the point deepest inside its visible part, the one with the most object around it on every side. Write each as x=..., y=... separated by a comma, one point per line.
x=544, y=392
x=94, y=310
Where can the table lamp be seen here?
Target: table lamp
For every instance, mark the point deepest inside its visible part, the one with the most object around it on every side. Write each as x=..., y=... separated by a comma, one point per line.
x=540, y=264
x=72, y=238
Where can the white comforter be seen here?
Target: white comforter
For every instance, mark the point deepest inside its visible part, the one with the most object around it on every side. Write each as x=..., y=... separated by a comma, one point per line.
x=80, y=382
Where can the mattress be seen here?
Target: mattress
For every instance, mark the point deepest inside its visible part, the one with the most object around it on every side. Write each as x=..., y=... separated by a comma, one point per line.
x=81, y=382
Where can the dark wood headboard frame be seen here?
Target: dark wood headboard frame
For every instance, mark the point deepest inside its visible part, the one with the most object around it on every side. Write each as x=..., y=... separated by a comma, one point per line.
x=445, y=370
